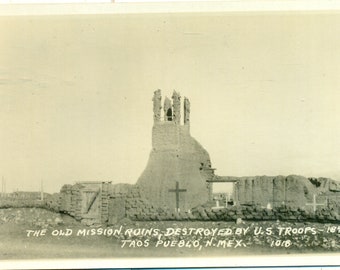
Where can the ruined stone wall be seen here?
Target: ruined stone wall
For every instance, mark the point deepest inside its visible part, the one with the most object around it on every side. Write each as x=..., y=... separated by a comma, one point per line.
x=70, y=200
x=290, y=190
x=139, y=208
x=65, y=198
x=130, y=201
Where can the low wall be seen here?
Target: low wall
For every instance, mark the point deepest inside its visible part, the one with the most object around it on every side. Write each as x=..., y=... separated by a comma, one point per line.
x=139, y=208
x=127, y=201
x=50, y=201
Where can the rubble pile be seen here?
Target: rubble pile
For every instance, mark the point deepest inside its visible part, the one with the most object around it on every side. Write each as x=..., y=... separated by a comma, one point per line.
x=257, y=213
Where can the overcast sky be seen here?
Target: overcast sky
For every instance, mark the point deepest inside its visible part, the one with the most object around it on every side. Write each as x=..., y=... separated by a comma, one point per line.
x=75, y=93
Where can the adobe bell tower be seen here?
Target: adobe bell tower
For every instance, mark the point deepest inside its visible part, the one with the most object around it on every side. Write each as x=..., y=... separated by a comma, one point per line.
x=177, y=160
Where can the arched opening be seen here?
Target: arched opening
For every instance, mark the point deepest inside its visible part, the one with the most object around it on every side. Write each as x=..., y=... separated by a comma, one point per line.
x=169, y=114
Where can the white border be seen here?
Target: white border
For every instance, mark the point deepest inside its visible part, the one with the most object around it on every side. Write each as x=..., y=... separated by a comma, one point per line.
x=169, y=7
x=316, y=260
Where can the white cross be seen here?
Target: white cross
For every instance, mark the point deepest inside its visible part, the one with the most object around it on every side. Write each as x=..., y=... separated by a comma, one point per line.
x=314, y=204
x=217, y=206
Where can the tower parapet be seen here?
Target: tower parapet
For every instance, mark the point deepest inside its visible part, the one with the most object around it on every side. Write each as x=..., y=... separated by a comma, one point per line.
x=157, y=105
x=171, y=109
x=176, y=103
x=186, y=111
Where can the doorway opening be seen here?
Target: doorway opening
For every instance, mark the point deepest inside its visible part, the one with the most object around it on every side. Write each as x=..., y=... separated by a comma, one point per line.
x=223, y=193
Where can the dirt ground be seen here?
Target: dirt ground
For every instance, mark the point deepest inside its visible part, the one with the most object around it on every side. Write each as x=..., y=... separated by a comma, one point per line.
x=36, y=234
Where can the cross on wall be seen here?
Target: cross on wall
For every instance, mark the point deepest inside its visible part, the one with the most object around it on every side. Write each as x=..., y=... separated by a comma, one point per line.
x=177, y=190
x=315, y=204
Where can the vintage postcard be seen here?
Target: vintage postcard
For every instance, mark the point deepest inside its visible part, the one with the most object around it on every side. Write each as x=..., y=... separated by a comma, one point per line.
x=211, y=139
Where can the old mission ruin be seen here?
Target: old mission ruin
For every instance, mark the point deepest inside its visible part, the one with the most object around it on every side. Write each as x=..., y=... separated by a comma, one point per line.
x=177, y=184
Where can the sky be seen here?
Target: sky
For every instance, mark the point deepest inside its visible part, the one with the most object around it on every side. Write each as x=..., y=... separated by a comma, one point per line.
x=76, y=93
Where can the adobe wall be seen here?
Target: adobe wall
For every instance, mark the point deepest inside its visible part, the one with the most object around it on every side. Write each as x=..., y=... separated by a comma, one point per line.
x=292, y=190
x=70, y=200
x=139, y=208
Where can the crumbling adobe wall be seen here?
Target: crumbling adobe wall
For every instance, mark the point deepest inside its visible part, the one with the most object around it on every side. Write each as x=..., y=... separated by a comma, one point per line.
x=138, y=208
x=290, y=190
x=175, y=157
x=333, y=185
x=70, y=200
x=129, y=202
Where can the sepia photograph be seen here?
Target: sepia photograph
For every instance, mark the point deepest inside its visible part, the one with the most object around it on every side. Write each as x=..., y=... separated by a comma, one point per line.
x=199, y=136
